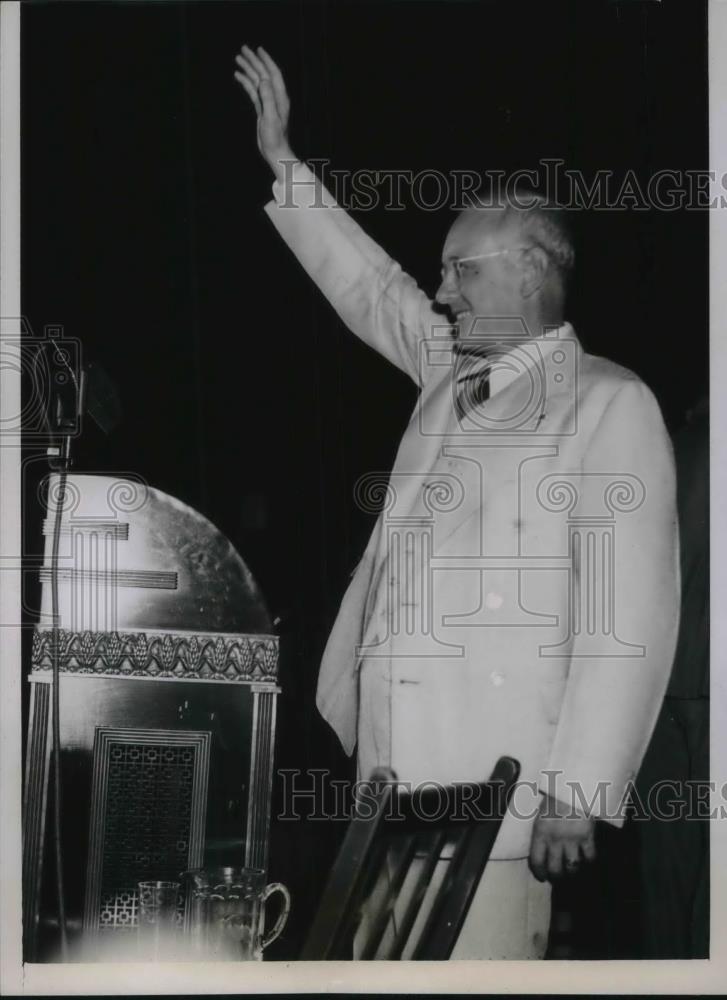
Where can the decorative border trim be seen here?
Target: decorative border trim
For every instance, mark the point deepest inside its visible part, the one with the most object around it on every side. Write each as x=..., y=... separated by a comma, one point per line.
x=206, y=656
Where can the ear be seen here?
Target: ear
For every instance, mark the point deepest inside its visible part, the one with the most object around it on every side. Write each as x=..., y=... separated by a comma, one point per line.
x=535, y=269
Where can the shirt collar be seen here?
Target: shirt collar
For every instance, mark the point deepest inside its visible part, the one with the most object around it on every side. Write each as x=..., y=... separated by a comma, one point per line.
x=505, y=366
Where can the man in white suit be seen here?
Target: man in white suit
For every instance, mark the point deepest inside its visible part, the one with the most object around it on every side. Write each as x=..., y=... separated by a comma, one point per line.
x=519, y=594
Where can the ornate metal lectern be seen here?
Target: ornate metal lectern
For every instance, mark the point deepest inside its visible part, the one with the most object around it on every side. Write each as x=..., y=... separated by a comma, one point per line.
x=167, y=690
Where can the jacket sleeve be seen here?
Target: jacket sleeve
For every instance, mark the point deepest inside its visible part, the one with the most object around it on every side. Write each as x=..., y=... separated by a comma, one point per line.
x=611, y=701
x=369, y=291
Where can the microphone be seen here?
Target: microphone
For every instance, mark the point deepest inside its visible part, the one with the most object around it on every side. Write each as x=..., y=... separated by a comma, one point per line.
x=66, y=391
x=73, y=393
x=93, y=393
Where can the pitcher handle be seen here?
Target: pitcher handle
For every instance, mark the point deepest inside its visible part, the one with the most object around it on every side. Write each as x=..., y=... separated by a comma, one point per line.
x=282, y=916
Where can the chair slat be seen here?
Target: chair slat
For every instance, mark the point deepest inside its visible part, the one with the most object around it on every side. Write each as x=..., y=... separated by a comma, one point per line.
x=435, y=843
x=394, y=879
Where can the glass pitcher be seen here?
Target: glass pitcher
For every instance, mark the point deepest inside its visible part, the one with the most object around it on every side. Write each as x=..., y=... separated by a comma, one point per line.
x=226, y=913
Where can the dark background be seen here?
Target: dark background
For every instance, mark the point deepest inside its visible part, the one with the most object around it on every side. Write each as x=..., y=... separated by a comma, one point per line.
x=144, y=236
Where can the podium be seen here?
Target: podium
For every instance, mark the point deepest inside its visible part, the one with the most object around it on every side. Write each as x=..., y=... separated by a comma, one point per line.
x=168, y=687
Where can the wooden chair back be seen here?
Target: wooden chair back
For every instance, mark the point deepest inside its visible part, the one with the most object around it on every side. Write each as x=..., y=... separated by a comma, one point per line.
x=394, y=842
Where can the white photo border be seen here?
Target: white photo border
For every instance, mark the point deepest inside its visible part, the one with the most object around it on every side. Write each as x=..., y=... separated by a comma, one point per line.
x=641, y=977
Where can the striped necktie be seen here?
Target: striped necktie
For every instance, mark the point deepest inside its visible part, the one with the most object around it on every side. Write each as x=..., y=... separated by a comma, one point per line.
x=472, y=373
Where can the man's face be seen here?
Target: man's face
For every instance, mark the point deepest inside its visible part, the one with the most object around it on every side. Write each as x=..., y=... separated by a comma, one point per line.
x=488, y=287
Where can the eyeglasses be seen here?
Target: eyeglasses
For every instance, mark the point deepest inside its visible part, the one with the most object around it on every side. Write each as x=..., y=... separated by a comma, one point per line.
x=457, y=262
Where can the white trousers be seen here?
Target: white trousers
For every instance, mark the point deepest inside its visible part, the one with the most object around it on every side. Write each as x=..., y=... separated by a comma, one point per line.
x=510, y=914
x=509, y=917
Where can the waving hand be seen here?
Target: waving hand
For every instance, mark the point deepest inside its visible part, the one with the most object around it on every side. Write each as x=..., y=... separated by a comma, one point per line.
x=263, y=83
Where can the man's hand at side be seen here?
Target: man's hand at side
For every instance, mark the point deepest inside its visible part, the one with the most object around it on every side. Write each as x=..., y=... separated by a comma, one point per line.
x=263, y=83
x=561, y=841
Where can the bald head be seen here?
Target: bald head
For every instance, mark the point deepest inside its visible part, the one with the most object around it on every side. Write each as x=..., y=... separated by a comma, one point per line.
x=487, y=222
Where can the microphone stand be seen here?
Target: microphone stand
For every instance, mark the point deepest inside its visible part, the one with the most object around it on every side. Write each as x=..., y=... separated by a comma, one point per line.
x=62, y=416
x=59, y=458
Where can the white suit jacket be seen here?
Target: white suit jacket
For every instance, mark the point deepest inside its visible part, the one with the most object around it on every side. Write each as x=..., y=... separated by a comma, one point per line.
x=521, y=583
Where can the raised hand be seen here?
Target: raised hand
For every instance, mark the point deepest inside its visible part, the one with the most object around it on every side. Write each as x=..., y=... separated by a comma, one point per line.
x=263, y=83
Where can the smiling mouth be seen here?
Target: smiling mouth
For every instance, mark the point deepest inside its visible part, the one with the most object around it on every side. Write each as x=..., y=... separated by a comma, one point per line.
x=462, y=318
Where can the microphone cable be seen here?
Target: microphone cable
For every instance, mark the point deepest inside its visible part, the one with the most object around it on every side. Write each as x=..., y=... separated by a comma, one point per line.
x=63, y=453
x=55, y=715
x=65, y=449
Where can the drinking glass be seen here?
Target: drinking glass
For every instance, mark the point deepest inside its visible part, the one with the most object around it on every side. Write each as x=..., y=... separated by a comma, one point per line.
x=158, y=919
